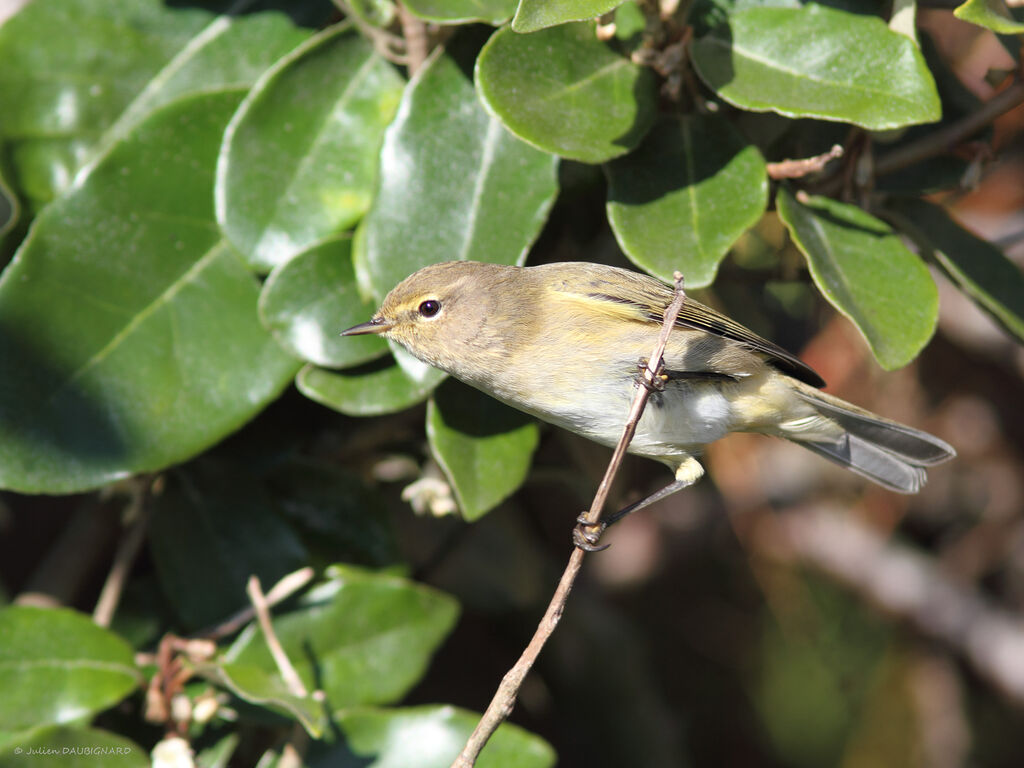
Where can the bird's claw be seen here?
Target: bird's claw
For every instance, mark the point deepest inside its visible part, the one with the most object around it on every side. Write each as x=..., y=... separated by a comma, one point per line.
x=586, y=534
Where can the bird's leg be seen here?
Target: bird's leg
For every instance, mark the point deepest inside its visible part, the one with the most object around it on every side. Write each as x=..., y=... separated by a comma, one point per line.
x=657, y=383
x=586, y=535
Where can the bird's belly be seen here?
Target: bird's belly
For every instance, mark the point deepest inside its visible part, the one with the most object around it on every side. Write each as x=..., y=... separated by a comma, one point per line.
x=677, y=421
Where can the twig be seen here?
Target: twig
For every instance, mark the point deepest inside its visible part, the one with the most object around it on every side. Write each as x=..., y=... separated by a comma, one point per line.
x=285, y=588
x=284, y=665
x=941, y=140
x=795, y=169
x=908, y=585
x=417, y=46
x=504, y=698
x=136, y=516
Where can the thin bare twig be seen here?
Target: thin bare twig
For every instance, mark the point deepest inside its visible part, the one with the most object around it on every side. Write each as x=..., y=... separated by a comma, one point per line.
x=136, y=517
x=417, y=46
x=285, y=588
x=504, y=698
x=284, y=665
x=795, y=169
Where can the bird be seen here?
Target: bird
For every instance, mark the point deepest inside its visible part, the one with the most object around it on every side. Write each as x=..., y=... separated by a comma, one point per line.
x=566, y=343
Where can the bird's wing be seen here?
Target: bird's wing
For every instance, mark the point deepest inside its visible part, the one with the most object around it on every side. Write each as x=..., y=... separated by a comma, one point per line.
x=643, y=298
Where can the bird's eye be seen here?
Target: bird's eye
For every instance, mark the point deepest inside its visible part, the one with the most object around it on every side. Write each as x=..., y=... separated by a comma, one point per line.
x=430, y=307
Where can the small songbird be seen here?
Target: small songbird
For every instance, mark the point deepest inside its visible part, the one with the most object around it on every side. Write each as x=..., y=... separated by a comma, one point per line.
x=567, y=344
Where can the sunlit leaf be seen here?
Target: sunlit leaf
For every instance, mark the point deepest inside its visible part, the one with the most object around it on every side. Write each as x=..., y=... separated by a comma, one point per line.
x=533, y=15
x=991, y=14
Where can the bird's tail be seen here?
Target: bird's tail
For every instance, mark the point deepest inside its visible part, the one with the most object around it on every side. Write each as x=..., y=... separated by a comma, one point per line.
x=890, y=453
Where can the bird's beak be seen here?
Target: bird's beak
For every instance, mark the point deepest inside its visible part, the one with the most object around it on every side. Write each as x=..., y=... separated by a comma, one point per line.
x=376, y=325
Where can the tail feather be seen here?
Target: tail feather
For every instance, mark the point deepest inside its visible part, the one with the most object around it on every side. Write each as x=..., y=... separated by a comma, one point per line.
x=892, y=454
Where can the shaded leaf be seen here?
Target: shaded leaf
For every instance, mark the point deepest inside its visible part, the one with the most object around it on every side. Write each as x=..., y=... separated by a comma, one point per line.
x=128, y=329
x=977, y=267
x=56, y=666
x=492, y=12
x=862, y=268
x=64, y=747
x=266, y=688
x=454, y=184
x=818, y=62
x=565, y=91
x=685, y=196
x=214, y=526
x=991, y=14
x=484, y=447
x=376, y=13
x=426, y=737
x=533, y=15
x=362, y=637
x=310, y=299
x=374, y=389
x=219, y=754
x=300, y=156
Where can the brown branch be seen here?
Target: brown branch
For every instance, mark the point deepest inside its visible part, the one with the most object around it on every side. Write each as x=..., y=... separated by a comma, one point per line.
x=285, y=588
x=908, y=585
x=136, y=517
x=284, y=665
x=941, y=140
x=504, y=698
x=417, y=46
x=795, y=169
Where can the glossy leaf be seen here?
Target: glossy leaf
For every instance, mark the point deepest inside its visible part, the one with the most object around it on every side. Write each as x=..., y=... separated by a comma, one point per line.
x=454, y=184
x=376, y=13
x=128, y=329
x=266, y=688
x=53, y=115
x=65, y=747
x=56, y=666
x=864, y=270
x=230, y=53
x=300, y=156
x=484, y=447
x=426, y=737
x=362, y=637
x=309, y=300
x=976, y=266
x=533, y=15
x=214, y=526
x=492, y=12
x=685, y=196
x=374, y=389
x=78, y=76
x=818, y=62
x=565, y=91
x=991, y=14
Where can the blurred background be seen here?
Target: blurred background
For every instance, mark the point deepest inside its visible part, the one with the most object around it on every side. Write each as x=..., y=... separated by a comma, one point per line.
x=781, y=613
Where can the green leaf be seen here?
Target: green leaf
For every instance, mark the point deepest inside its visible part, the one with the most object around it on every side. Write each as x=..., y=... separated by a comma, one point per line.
x=565, y=91
x=362, y=637
x=862, y=268
x=991, y=14
x=128, y=330
x=300, y=156
x=308, y=301
x=818, y=62
x=78, y=76
x=64, y=747
x=976, y=266
x=685, y=196
x=453, y=183
x=374, y=389
x=427, y=736
x=533, y=15
x=218, y=755
x=266, y=688
x=376, y=13
x=215, y=525
x=492, y=12
x=484, y=447
x=56, y=666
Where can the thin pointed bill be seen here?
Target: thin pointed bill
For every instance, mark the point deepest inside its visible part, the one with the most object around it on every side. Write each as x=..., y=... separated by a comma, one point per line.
x=376, y=325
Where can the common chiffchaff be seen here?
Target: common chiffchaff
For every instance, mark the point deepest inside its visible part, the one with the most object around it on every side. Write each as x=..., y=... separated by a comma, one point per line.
x=563, y=342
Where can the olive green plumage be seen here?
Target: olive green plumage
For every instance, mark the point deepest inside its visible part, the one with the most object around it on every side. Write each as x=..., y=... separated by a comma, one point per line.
x=563, y=342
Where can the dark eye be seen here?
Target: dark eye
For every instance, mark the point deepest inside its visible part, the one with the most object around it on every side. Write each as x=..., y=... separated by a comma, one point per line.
x=430, y=307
